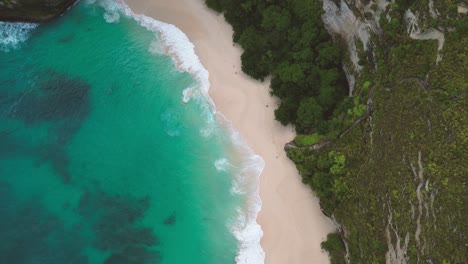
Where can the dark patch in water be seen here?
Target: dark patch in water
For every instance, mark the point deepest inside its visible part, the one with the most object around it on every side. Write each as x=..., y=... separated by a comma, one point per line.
x=9, y=146
x=58, y=158
x=66, y=39
x=58, y=100
x=171, y=220
x=134, y=255
x=114, y=220
x=30, y=234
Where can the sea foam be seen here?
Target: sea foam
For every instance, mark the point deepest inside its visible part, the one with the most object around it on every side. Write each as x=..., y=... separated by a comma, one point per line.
x=246, y=181
x=13, y=34
x=246, y=170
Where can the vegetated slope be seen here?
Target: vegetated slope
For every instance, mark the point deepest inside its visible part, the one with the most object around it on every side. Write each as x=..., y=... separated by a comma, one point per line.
x=388, y=161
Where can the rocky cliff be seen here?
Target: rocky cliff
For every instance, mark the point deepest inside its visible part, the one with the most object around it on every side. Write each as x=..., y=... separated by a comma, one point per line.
x=403, y=195
x=32, y=10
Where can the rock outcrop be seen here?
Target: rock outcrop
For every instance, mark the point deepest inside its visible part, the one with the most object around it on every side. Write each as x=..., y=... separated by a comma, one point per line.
x=32, y=10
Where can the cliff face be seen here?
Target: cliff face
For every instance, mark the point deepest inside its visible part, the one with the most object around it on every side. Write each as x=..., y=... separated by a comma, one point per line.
x=404, y=193
x=32, y=10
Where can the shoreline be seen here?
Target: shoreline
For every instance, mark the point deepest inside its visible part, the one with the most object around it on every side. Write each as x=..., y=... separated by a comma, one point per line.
x=292, y=222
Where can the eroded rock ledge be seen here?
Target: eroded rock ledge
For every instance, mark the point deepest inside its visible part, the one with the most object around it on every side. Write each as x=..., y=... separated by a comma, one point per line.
x=32, y=10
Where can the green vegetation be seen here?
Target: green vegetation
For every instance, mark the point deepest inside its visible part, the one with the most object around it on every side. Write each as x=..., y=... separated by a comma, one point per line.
x=307, y=140
x=389, y=162
x=287, y=41
x=335, y=246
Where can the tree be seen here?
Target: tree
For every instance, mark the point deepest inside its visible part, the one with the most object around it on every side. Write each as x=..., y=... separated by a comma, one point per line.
x=254, y=65
x=286, y=111
x=276, y=18
x=335, y=246
x=329, y=55
x=309, y=114
x=291, y=73
x=339, y=161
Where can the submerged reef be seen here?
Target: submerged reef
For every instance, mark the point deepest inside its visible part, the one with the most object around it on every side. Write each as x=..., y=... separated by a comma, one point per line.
x=109, y=223
x=114, y=219
x=31, y=232
x=60, y=101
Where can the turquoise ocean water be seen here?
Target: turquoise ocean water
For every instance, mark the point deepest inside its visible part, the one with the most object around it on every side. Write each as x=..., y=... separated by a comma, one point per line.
x=101, y=161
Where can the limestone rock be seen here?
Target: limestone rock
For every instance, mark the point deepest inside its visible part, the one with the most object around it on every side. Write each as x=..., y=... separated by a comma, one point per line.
x=32, y=10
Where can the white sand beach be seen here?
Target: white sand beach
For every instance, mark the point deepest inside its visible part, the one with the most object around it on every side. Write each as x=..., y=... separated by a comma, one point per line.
x=290, y=217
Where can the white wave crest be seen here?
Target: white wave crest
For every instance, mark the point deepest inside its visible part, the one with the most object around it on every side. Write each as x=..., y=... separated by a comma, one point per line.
x=249, y=232
x=173, y=42
x=247, y=171
x=112, y=10
x=157, y=48
x=222, y=164
x=112, y=17
x=13, y=34
x=188, y=94
x=177, y=45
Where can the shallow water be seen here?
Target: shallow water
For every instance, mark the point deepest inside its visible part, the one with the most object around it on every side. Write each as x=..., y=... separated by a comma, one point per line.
x=101, y=161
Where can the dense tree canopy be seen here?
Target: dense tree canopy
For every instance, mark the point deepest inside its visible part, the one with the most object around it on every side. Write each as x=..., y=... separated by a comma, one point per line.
x=287, y=41
x=309, y=114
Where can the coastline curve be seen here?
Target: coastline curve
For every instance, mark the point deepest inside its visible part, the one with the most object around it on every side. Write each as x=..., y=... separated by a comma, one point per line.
x=178, y=46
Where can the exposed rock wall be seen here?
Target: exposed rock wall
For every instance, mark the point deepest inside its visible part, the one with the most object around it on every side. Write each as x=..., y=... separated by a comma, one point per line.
x=32, y=10
x=400, y=54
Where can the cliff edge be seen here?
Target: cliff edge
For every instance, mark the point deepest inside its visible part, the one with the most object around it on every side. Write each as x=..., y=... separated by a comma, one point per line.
x=32, y=10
